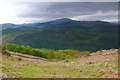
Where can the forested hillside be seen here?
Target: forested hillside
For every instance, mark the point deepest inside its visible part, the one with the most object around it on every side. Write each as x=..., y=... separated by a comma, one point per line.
x=65, y=34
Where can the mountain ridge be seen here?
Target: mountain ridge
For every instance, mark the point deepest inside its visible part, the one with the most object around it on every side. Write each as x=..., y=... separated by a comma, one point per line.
x=62, y=20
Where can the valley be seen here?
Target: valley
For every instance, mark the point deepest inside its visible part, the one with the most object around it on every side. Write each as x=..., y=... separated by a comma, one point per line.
x=62, y=48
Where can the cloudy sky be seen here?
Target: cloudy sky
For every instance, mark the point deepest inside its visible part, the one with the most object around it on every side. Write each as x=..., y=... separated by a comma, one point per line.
x=28, y=12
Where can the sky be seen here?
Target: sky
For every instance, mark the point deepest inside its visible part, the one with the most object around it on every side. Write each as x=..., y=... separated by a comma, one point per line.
x=30, y=12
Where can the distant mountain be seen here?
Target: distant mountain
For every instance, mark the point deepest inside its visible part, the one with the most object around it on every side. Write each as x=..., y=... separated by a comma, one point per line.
x=65, y=34
x=8, y=25
x=82, y=25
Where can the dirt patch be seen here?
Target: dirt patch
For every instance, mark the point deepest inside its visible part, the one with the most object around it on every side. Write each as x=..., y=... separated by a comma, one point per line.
x=107, y=74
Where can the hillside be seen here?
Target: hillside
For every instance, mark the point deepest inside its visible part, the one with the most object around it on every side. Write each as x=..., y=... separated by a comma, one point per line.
x=102, y=64
x=65, y=34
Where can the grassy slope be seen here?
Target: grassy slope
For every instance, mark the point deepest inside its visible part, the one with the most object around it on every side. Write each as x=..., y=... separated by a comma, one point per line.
x=95, y=66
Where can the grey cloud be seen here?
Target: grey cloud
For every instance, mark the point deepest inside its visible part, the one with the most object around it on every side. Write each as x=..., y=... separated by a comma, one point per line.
x=53, y=10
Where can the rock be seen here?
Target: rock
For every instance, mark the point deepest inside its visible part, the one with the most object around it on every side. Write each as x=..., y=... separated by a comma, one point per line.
x=19, y=59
